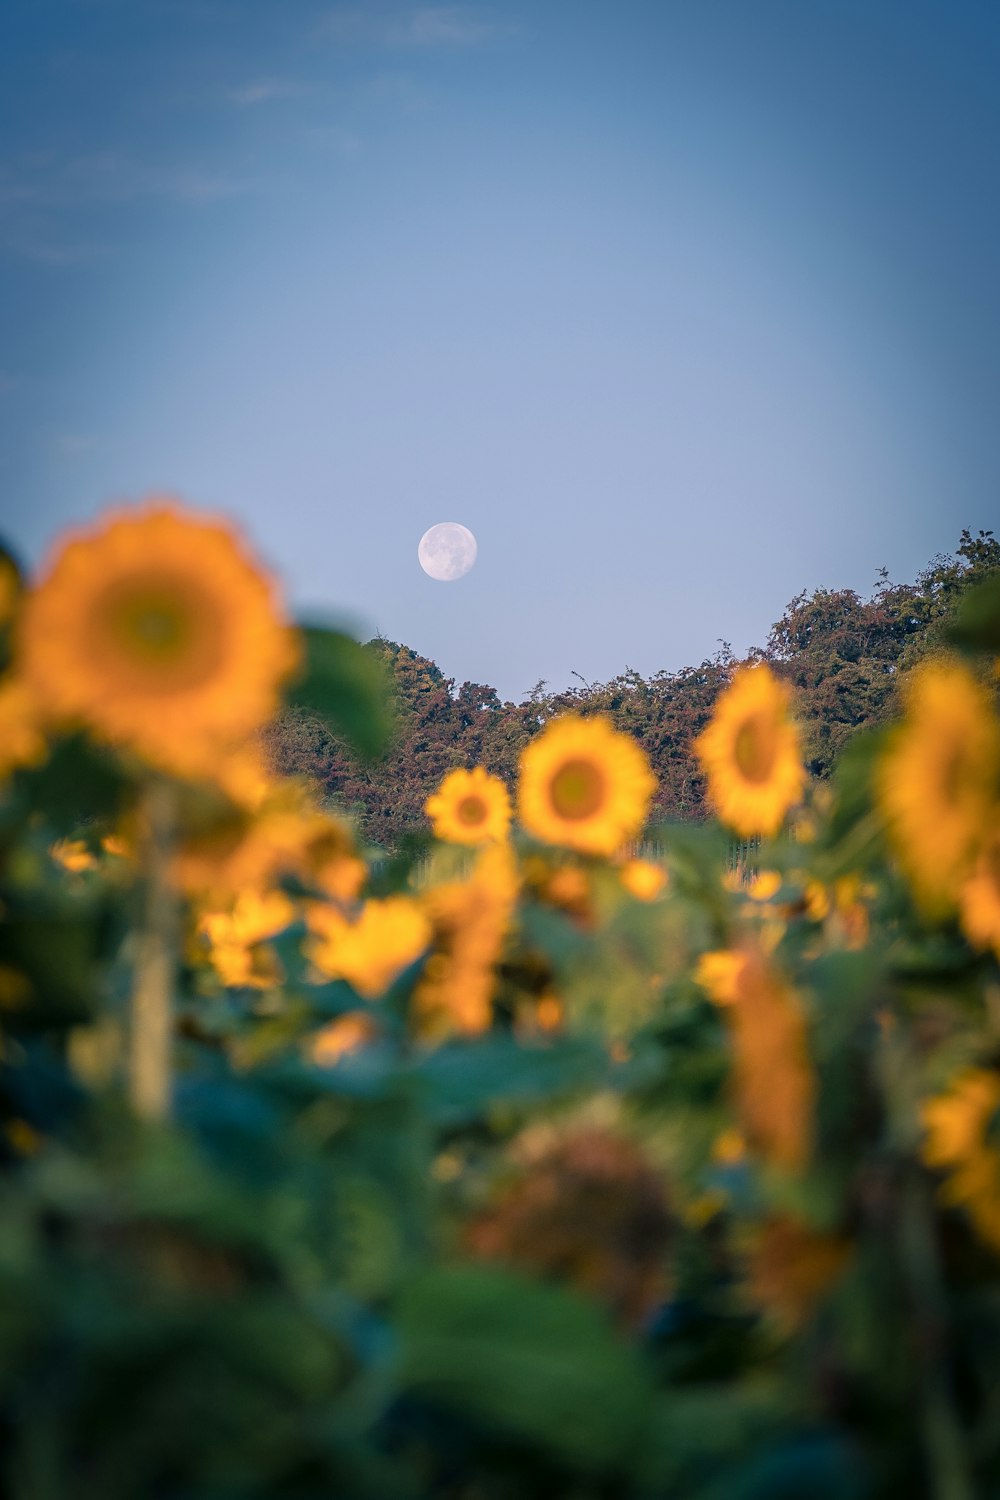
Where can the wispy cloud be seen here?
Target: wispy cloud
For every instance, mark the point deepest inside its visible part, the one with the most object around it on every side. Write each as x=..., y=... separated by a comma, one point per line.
x=47, y=181
x=266, y=91
x=423, y=26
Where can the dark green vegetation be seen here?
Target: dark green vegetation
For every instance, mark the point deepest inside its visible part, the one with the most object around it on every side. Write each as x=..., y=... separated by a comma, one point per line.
x=843, y=654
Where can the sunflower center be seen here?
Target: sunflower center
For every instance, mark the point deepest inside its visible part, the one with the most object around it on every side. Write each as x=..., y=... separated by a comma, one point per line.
x=755, y=748
x=471, y=811
x=158, y=634
x=577, y=790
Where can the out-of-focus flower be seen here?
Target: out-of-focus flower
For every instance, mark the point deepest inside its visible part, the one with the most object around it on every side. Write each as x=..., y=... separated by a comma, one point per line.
x=979, y=898
x=842, y=907
x=584, y=785
x=73, y=855
x=470, y=807
x=156, y=630
x=791, y=1267
x=764, y=885
x=750, y=753
x=773, y=1078
x=585, y=1207
x=348, y=1033
x=961, y=1141
x=643, y=879
x=234, y=937
x=274, y=830
x=937, y=780
x=371, y=949
x=470, y=919
x=22, y=737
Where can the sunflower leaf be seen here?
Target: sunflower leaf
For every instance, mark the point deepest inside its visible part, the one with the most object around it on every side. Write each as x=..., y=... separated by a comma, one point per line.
x=342, y=684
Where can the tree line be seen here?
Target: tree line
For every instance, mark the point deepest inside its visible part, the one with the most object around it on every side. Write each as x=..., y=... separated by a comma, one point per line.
x=844, y=654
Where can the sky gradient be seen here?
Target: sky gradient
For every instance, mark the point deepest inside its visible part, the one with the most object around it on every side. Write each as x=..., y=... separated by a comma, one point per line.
x=682, y=306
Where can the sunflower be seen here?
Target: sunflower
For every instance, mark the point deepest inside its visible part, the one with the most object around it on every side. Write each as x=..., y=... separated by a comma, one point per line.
x=979, y=899
x=961, y=1140
x=234, y=937
x=937, y=780
x=584, y=785
x=470, y=920
x=155, y=630
x=338, y=1038
x=791, y=1267
x=371, y=950
x=750, y=753
x=643, y=879
x=773, y=1078
x=469, y=807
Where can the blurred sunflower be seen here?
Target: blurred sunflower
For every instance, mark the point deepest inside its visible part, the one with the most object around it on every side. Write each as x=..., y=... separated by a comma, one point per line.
x=584, y=1206
x=979, y=899
x=156, y=630
x=584, y=785
x=235, y=935
x=937, y=781
x=773, y=1079
x=750, y=753
x=469, y=807
x=371, y=950
x=347, y=1033
x=643, y=879
x=790, y=1267
x=962, y=1140
x=470, y=919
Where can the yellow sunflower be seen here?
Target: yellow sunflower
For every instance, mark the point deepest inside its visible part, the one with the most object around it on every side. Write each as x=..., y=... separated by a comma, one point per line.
x=373, y=949
x=961, y=1141
x=348, y=1033
x=643, y=879
x=470, y=807
x=979, y=899
x=773, y=1079
x=937, y=781
x=750, y=753
x=234, y=936
x=470, y=920
x=157, y=631
x=584, y=785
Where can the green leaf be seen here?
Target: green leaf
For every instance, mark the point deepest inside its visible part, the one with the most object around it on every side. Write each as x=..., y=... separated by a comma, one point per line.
x=977, y=619
x=536, y=1362
x=343, y=684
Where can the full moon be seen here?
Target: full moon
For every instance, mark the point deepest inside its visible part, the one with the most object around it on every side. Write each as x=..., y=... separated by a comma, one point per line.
x=447, y=551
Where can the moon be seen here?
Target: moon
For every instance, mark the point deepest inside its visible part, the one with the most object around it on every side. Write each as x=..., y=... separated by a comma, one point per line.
x=447, y=550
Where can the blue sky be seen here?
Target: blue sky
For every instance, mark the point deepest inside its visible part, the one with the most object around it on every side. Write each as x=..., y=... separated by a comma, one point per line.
x=681, y=305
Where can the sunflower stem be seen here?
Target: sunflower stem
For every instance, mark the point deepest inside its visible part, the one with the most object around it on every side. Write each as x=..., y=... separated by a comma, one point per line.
x=155, y=962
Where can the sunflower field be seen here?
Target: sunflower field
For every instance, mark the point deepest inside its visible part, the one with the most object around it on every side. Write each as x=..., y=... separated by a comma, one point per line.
x=514, y=1166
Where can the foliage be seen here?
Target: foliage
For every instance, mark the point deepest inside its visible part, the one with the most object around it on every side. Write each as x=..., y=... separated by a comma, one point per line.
x=842, y=653
x=505, y=1168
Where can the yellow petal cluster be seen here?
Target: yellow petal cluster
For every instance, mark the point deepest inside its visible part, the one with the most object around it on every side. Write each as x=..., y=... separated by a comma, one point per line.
x=584, y=785
x=470, y=920
x=750, y=753
x=960, y=1126
x=937, y=781
x=371, y=949
x=470, y=807
x=773, y=1078
x=156, y=631
x=234, y=935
